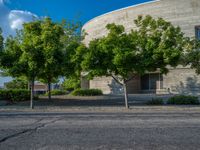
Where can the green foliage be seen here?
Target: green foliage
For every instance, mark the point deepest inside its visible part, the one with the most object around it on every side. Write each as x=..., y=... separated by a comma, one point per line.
x=71, y=84
x=41, y=50
x=23, y=55
x=56, y=92
x=1, y=41
x=87, y=92
x=154, y=45
x=76, y=58
x=192, y=57
x=10, y=57
x=156, y=101
x=183, y=100
x=15, y=95
x=52, y=49
x=17, y=84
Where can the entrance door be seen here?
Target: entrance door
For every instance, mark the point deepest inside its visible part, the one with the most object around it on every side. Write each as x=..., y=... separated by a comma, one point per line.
x=153, y=79
x=151, y=82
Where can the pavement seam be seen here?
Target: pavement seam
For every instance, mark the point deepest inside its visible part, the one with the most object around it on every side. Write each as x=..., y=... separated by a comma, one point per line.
x=28, y=130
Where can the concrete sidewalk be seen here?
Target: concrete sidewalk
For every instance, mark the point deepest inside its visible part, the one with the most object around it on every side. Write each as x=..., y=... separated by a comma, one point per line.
x=120, y=109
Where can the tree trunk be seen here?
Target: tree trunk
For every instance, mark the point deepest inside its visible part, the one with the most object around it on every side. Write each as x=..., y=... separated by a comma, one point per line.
x=28, y=86
x=49, y=91
x=32, y=94
x=125, y=96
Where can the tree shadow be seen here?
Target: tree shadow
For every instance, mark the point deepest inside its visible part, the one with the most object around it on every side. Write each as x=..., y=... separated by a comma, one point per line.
x=190, y=87
x=109, y=100
x=115, y=88
x=96, y=101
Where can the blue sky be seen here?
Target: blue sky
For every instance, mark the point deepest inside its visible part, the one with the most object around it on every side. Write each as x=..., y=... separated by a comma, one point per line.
x=70, y=9
x=13, y=13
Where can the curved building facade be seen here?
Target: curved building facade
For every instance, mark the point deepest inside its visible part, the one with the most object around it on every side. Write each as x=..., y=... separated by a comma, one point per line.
x=183, y=13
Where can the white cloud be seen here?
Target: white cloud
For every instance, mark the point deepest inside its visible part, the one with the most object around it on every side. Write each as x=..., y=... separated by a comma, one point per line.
x=10, y=20
x=17, y=18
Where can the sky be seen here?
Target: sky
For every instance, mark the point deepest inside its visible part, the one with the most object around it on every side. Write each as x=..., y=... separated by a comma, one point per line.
x=13, y=13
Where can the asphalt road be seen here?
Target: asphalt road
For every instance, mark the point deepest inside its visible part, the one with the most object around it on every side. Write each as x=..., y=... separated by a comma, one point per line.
x=100, y=131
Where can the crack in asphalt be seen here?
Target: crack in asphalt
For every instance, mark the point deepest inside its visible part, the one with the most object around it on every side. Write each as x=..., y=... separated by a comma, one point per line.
x=29, y=130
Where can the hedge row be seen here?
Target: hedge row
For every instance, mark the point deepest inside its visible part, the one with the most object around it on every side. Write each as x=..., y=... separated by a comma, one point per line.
x=183, y=100
x=15, y=95
x=156, y=101
x=176, y=100
x=87, y=92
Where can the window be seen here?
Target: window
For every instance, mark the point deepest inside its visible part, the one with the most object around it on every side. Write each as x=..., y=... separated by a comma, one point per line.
x=152, y=81
x=197, y=32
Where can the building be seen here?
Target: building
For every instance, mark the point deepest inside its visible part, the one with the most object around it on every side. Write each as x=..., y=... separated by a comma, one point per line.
x=182, y=80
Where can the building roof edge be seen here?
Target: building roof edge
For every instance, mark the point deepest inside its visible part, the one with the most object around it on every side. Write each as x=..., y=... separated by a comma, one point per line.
x=136, y=5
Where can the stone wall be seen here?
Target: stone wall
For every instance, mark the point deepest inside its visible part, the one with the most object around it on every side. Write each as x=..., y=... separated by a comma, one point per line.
x=183, y=13
x=107, y=85
x=182, y=81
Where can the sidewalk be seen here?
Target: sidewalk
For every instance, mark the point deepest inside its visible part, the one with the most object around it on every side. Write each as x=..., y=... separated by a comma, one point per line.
x=106, y=103
x=114, y=109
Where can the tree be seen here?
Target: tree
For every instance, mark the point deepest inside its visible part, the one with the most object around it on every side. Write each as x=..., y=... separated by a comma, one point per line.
x=72, y=43
x=153, y=45
x=60, y=41
x=53, y=51
x=23, y=55
x=71, y=83
x=192, y=57
x=1, y=41
x=17, y=83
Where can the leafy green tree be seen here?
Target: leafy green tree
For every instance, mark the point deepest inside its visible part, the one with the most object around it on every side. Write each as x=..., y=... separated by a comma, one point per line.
x=17, y=83
x=71, y=83
x=192, y=56
x=153, y=45
x=53, y=51
x=23, y=55
x=60, y=41
x=74, y=50
x=1, y=41
x=42, y=50
x=72, y=43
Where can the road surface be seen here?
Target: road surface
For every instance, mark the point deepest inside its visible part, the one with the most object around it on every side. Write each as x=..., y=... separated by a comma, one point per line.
x=100, y=131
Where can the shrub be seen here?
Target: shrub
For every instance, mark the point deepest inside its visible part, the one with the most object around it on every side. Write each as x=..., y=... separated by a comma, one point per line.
x=155, y=101
x=87, y=92
x=15, y=95
x=71, y=84
x=17, y=84
x=183, y=100
x=56, y=92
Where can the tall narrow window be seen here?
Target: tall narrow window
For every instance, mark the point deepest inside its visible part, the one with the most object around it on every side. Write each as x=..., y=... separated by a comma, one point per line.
x=151, y=81
x=197, y=32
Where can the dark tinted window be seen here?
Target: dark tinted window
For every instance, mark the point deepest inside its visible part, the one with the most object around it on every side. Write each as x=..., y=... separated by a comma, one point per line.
x=197, y=32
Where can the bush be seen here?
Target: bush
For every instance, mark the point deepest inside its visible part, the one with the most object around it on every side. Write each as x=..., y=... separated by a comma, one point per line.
x=15, y=95
x=56, y=92
x=71, y=84
x=17, y=84
x=183, y=100
x=88, y=92
x=156, y=101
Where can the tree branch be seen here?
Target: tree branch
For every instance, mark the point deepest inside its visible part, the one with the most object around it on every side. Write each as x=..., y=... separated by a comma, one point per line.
x=117, y=80
x=129, y=79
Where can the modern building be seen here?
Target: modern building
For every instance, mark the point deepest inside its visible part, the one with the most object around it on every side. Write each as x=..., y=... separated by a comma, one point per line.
x=182, y=80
